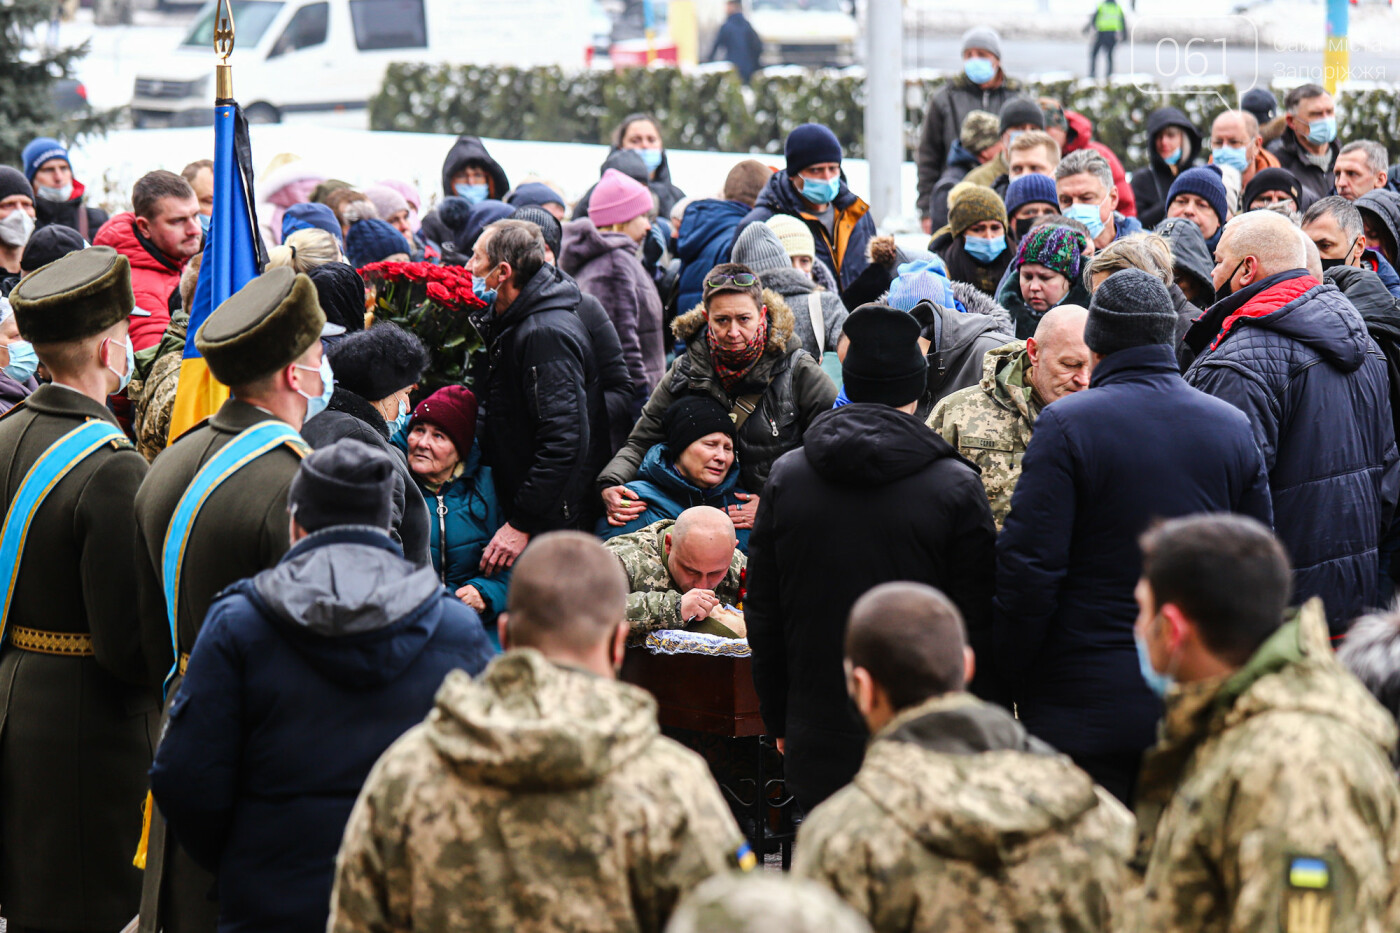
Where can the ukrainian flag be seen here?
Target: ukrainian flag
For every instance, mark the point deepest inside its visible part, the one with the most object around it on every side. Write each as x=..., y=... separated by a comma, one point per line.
x=233, y=254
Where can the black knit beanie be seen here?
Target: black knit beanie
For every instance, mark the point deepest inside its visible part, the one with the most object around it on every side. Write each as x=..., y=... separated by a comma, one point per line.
x=884, y=363
x=691, y=418
x=1130, y=309
x=347, y=483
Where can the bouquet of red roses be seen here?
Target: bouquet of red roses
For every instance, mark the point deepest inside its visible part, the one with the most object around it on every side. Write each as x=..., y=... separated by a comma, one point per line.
x=436, y=303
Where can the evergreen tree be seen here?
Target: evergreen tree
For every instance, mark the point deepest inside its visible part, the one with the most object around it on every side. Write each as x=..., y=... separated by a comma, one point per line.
x=28, y=73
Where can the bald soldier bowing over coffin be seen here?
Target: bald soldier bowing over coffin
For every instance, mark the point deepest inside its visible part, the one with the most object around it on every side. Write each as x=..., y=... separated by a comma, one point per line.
x=78, y=707
x=213, y=510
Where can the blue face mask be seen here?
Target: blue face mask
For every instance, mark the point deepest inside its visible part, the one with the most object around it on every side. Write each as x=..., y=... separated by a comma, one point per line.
x=23, y=361
x=472, y=194
x=123, y=379
x=1157, y=682
x=652, y=158
x=481, y=290
x=1012, y=136
x=1321, y=132
x=1174, y=158
x=984, y=249
x=401, y=422
x=1232, y=156
x=979, y=70
x=1088, y=215
x=315, y=404
x=820, y=192
x=204, y=221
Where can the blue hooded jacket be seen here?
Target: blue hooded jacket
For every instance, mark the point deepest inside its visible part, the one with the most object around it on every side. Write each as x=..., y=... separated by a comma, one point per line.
x=667, y=494
x=706, y=232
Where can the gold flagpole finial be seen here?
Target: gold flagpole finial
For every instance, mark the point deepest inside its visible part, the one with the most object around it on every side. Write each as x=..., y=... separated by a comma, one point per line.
x=223, y=47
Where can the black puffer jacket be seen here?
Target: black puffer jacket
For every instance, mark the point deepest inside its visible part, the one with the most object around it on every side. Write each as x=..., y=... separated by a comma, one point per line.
x=67, y=214
x=619, y=396
x=872, y=496
x=1152, y=182
x=791, y=386
x=539, y=394
x=1316, y=182
x=1300, y=364
x=1381, y=312
x=957, y=342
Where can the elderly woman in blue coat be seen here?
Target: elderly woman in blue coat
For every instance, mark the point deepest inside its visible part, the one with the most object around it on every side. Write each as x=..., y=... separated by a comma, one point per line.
x=695, y=465
x=463, y=513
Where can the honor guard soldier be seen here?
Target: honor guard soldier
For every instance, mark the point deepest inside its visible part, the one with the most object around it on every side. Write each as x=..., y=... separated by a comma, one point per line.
x=79, y=708
x=214, y=510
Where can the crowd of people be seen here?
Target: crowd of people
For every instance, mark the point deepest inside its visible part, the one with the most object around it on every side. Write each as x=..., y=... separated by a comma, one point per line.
x=1063, y=546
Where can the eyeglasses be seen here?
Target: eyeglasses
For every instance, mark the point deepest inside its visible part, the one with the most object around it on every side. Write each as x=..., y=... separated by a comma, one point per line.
x=741, y=279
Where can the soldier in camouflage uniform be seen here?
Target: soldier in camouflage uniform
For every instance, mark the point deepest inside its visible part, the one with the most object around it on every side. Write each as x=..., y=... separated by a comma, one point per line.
x=958, y=820
x=761, y=903
x=542, y=796
x=679, y=571
x=1269, y=803
x=991, y=423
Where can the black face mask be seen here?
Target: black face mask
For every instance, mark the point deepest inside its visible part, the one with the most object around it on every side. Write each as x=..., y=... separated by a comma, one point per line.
x=1022, y=226
x=1226, y=290
x=1344, y=261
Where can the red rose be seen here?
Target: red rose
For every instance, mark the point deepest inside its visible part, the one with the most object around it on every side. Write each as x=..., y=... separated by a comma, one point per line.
x=441, y=294
x=468, y=297
x=413, y=271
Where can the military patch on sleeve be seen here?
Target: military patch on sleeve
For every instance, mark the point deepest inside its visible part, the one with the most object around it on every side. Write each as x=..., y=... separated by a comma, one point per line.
x=744, y=859
x=1309, y=895
x=984, y=443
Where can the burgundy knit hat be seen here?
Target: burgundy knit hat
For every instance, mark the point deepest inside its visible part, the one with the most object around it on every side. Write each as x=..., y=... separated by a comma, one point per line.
x=452, y=410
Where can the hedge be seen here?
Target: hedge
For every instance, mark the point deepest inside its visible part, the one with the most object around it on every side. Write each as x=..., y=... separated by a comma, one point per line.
x=714, y=111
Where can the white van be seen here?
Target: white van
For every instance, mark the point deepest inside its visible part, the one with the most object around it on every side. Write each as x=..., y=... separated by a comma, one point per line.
x=814, y=33
x=294, y=56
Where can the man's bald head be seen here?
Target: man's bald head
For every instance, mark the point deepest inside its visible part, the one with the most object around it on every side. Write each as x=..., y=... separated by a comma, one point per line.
x=1268, y=238
x=1060, y=361
x=568, y=594
x=910, y=637
x=700, y=548
x=1062, y=322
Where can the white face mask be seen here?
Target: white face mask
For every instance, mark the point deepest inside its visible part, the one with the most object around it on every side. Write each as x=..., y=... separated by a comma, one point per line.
x=16, y=228
x=55, y=194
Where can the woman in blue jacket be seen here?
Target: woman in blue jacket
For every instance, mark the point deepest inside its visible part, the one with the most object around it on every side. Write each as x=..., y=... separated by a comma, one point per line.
x=695, y=465
x=463, y=513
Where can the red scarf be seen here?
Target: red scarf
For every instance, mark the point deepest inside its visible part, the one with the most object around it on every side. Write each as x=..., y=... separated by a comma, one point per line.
x=733, y=365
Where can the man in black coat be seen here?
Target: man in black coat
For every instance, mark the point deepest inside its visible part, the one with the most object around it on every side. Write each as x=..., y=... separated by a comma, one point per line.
x=872, y=496
x=1104, y=464
x=742, y=45
x=538, y=388
x=1308, y=147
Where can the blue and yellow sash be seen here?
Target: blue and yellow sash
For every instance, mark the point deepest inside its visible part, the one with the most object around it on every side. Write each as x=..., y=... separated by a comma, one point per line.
x=250, y=444
x=65, y=453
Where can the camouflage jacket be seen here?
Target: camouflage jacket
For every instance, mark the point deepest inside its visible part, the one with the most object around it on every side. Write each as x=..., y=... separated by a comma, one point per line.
x=990, y=423
x=958, y=821
x=536, y=798
x=653, y=601
x=1270, y=803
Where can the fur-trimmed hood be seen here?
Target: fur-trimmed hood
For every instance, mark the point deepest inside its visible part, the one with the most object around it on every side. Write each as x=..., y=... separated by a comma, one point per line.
x=780, y=323
x=977, y=301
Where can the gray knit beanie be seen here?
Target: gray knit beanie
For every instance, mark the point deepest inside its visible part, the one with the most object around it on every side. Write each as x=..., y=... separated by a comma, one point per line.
x=1130, y=309
x=759, y=248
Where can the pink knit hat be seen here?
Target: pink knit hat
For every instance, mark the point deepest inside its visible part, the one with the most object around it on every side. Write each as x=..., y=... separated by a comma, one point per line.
x=617, y=199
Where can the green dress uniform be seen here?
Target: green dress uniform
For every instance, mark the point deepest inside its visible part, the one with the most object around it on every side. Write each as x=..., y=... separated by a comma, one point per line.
x=79, y=708
x=241, y=529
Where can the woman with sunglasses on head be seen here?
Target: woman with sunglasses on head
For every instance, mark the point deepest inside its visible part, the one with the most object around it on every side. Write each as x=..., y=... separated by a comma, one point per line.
x=740, y=351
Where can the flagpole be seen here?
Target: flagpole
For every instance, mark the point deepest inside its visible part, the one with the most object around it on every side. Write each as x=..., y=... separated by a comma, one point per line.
x=223, y=47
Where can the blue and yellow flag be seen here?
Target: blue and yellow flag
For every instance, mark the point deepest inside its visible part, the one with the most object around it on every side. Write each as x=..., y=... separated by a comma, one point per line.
x=233, y=254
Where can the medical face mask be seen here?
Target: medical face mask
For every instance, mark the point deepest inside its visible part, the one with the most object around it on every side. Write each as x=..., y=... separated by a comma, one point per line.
x=54, y=194
x=483, y=291
x=204, y=221
x=473, y=194
x=979, y=70
x=315, y=404
x=23, y=361
x=401, y=422
x=1088, y=215
x=984, y=249
x=124, y=379
x=1174, y=158
x=652, y=158
x=1233, y=156
x=16, y=228
x=820, y=192
x=1321, y=132
x=1157, y=682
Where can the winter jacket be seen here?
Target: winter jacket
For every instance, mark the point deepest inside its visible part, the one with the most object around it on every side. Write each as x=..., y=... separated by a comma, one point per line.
x=350, y=416
x=1316, y=182
x=1191, y=257
x=1137, y=446
x=73, y=213
x=1383, y=205
x=1023, y=315
x=1375, y=262
x=990, y=423
x=155, y=279
x=1294, y=356
x=630, y=164
x=12, y=392
x=960, y=163
x=1152, y=182
x=706, y=232
x=741, y=44
x=535, y=797
x=667, y=494
x=959, y=821
x=539, y=394
x=843, y=249
x=620, y=398
x=792, y=390
x=797, y=290
x=872, y=496
x=301, y=678
x=653, y=595
x=1381, y=312
x=958, y=342
x=153, y=397
x=605, y=265
x=1269, y=795
x=463, y=516
x=943, y=121
x=471, y=149
x=1080, y=135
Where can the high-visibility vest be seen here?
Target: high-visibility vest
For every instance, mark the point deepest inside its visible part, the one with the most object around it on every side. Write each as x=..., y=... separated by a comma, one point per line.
x=1109, y=18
